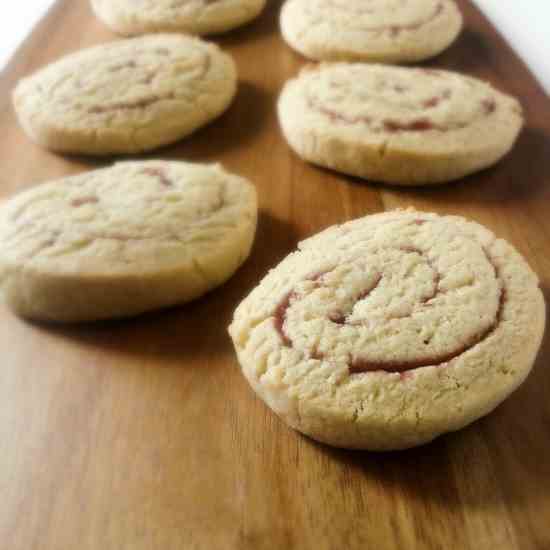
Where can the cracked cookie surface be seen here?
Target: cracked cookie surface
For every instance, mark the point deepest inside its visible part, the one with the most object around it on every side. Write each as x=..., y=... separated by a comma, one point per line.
x=388, y=31
x=397, y=125
x=201, y=17
x=127, y=96
x=123, y=240
x=387, y=331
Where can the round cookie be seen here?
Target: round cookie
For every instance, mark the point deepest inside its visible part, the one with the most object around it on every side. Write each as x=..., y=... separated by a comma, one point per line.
x=388, y=31
x=127, y=96
x=397, y=125
x=389, y=330
x=123, y=240
x=130, y=17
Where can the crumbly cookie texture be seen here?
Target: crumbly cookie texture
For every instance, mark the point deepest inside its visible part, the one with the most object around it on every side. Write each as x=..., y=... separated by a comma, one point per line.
x=397, y=125
x=202, y=17
x=389, y=330
x=127, y=96
x=388, y=31
x=123, y=240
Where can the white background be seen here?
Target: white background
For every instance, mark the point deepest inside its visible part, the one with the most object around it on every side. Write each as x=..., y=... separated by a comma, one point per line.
x=525, y=23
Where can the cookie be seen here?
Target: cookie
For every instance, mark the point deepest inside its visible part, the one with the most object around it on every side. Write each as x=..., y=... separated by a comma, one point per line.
x=123, y=240
x=202, y=17
x=127, y=96
x=397, y=125
x=387, y=31
x=390, y=330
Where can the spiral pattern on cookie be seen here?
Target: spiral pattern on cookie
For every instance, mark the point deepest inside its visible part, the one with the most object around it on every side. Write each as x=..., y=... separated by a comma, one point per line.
x=133, y=76
x=133, y=207
x=391, y=100
x=394, y=293
x=395, y=308
x=386, y=31
x=377, y=16
x=197, y=17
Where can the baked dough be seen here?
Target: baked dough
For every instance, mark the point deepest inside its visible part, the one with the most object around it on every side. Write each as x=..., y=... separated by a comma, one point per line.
x=127, y=96
x=387, y=31
x=389, y=330
x=397, y=125
x=123, y=240
x=202, y=17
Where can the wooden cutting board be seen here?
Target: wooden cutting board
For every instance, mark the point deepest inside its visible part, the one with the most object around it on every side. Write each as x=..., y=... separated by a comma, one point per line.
x=143, y=435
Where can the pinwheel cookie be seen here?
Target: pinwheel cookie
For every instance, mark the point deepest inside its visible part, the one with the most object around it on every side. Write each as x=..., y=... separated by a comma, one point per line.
x=126, y=96
x=389, y=31
x=202, y=17
x=123, y=240
x=397, y=125
x=387, y=331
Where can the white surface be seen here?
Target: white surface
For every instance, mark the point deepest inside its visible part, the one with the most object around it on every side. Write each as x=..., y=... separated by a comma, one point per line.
x=17, y=21
x=525, y=24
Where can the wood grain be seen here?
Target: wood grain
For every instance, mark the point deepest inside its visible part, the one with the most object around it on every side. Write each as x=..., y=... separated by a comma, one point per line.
x=143, y=435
